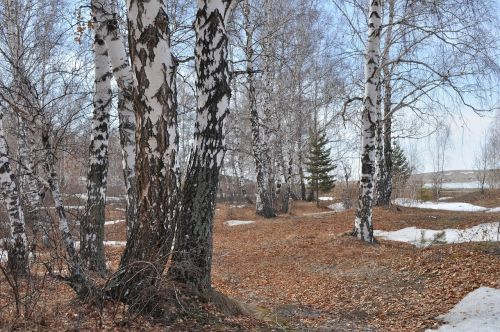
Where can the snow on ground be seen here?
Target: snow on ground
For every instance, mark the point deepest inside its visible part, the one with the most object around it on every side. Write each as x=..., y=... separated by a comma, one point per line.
x=106, y=243
x=76, y=207
x=3, y=256
x=456, y=185
x=238, y=222
x=489, y=232
x=237, y=206
x=318, y=213
x=114, y=222
x=83, y=196
x=444, y=198
x=497, y=209
x=439, y=205
x=115, y=243
x=326, y=198
x=337, y=207
x=478, y=311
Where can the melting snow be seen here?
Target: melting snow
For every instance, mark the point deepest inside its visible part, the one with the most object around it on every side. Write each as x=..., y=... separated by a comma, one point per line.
x=425, y=237
x=114, y=222
x=326, y=198
x=237, y=206
x=3, y=256
x=337, y=207
x=439, y=205
x=456, y=185
x=444, y=198
x=478, y=311
x=497, y=209
x=106, y=243
x=318, y=213
x=239, y=222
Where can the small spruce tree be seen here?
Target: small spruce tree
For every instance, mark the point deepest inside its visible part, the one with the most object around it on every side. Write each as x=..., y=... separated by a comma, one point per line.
x=401, y=169
x=319, y=164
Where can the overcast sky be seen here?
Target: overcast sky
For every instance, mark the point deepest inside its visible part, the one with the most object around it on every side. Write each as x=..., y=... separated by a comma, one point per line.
x=466, y=135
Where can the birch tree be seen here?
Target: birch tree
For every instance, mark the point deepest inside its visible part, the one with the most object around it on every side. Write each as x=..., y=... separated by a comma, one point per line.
x=17, y=248
x=157, y=169
x=192, y=258
x=122, y=73
x=264, y=203
x=363, y=227
x=92, y=226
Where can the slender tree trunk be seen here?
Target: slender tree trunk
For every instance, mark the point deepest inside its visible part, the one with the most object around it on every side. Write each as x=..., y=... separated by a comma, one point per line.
x=17, y=248
x=192, y=259
x=385, y=189
x=379, y=152
x=92, y=226
x=384, y=184
x=53, y=182
x=264, y=204
x=127, y=124
x=363, y=227
x=157, y=168
x=29, y=183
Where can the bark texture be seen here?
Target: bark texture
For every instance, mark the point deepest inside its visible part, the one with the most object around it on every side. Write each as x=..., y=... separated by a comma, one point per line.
x=384, y=183
x=264, y=202
x=363, y=227
x=157, y=169
x=122, y=73
x=55, y=190
x=92, y=226
x=17, y=248
x=28, y=184
x=192, y=259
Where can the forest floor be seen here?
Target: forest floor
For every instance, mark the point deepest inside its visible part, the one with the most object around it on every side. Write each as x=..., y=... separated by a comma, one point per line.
x=303, y=272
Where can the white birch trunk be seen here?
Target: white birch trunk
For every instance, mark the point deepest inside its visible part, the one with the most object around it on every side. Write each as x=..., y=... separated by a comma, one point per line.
x=192, y=259
x=122, y=72
x=92, y=226
x=363, y=227
x=157, y=168
x=28, y=183
x=264, y=202
x=17, y=248
x=57, y=197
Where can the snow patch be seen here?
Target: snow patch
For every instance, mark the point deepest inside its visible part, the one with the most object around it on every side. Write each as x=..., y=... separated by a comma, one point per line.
x=444, y=198
x=439, y=205
x=3, y=256
x=489, y=232
x=493, y=210
x=337, y=207
x=114, y=222
x=326, y=198
x=456, y=185
x=318, y=213
x=239, y=222
x=477, y=311
x=237, y=206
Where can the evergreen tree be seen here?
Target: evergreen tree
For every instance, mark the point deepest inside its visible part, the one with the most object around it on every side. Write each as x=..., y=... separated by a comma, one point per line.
x=401, y=168
x=319, y=164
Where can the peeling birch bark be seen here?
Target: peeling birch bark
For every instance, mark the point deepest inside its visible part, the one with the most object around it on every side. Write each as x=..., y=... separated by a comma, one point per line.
x=157, y=168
